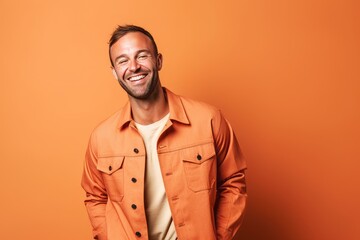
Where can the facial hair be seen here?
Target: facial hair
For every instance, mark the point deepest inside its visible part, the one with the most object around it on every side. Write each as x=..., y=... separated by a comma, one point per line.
x=150, y=88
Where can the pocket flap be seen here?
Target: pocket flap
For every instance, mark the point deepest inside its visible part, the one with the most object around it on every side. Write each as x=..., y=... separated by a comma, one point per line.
x=199, y=154
x=109, y=165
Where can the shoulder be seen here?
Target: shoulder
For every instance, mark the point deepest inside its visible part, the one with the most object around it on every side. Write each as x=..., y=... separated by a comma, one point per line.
x=109, y=125
x=198, y=108
x=201, y=113
x=197, y=104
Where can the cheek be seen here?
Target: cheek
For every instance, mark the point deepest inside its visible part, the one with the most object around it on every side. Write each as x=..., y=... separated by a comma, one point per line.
x=121, y=73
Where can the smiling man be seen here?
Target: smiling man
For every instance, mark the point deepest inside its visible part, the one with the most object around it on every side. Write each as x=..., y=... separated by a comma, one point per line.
x=163, y=166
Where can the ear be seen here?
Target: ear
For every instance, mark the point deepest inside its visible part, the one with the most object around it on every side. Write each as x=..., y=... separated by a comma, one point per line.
x=159, y=61
x=114, y=73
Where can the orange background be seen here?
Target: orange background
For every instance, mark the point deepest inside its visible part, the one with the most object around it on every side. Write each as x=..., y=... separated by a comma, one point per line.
x=285, y=73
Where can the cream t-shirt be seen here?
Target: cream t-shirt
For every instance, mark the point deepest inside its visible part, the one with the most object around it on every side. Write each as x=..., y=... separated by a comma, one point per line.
x=158, y=214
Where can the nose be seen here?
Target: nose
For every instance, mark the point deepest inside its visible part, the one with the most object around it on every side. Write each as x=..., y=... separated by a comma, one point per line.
x=134, y=65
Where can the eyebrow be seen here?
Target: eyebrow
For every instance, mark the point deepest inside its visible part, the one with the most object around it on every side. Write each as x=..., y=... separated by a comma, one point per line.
x=137, y=53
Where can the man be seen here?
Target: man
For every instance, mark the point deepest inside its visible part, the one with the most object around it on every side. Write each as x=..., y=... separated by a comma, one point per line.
x=163, y=166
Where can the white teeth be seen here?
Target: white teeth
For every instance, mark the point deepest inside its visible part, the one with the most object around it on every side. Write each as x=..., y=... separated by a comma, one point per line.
x=136, y=78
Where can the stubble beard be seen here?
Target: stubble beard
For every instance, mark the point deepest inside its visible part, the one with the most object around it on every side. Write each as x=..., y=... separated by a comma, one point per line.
x=149, y=90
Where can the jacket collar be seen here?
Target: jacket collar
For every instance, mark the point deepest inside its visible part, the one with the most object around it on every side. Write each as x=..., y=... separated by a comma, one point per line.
x=176, y=108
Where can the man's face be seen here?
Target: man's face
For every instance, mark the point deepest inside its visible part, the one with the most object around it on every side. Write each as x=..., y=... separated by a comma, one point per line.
x=135, y=64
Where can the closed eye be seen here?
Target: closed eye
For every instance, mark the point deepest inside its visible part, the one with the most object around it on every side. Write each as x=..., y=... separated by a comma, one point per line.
x=122, y=61
x=143, y=56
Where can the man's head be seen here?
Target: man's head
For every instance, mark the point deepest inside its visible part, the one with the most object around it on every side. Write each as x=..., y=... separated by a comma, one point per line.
x=135, y=61
x=121, y=31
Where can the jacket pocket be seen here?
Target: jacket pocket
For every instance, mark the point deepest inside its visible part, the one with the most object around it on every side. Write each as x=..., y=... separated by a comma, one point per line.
x=112, y=171
x=200, y=166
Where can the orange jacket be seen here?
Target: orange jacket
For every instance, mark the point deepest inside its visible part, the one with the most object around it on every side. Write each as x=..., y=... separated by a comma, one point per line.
x=201, y=164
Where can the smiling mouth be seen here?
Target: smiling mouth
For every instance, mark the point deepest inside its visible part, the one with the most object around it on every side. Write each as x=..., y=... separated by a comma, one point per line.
x=137, y=77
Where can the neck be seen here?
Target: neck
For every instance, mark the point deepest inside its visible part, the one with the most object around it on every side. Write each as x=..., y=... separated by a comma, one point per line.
x=147, y=111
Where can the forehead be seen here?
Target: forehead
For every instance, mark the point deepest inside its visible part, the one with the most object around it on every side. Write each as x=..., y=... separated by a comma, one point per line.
x=132, y=42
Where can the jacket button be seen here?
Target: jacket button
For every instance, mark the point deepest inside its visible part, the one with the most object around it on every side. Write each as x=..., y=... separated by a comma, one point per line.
x=134, y=180
x=133, y=206
x=110, y=168
x=138, y=234
x=198, y=157
x=136, y=150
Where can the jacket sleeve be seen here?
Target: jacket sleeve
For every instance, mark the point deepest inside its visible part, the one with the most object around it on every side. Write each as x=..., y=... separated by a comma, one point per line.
x=231, y=187
x=96, y=196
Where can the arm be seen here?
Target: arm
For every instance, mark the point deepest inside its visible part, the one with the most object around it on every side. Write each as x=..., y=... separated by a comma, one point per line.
x=96, y=196
x=231, y=194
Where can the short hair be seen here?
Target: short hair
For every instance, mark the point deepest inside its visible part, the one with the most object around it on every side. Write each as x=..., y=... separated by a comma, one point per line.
x=121, y=31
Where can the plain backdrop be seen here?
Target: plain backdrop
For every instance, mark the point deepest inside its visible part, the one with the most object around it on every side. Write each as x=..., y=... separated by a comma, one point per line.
x=285, y=74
